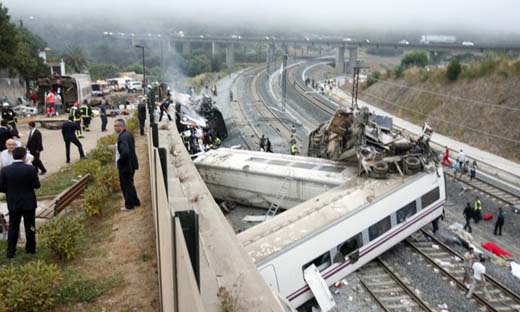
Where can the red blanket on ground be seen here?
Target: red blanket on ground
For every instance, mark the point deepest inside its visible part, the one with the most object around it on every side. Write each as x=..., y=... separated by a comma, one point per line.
x=496, y=250
x=487, y=217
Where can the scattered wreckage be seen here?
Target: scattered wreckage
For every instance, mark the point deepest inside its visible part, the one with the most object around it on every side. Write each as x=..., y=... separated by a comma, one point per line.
x=370, y=139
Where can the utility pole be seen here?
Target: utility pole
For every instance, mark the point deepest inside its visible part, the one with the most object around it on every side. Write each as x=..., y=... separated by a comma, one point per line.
x=355, y=84
x=144, y=72
x=284, y=80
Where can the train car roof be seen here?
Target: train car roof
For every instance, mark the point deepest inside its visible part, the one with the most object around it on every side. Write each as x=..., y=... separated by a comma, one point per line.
x=307, y=218
x=316, y=169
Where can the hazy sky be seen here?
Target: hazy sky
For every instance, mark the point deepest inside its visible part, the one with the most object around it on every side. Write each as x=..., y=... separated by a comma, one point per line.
x=386, y=15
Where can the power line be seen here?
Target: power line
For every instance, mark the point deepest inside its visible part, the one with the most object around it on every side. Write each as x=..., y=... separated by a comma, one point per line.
x=514, y=109
x=445, y=121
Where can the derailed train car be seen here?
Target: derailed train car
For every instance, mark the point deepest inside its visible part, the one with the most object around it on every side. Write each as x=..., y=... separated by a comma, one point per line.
x=202, y=114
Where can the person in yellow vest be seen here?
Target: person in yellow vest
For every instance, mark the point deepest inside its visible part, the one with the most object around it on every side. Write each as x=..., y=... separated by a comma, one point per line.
x=86, y=115
x=477, y=210
x=75, y=113
x=294, y=149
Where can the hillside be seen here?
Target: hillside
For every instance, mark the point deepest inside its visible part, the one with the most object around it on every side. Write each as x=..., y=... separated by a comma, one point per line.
x=481, y=108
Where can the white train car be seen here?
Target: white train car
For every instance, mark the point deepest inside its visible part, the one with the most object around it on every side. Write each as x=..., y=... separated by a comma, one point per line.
x=255, y=178
x=342, y=229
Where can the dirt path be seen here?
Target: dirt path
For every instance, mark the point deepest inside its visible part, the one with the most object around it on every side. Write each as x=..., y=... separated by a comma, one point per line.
x=128, y=252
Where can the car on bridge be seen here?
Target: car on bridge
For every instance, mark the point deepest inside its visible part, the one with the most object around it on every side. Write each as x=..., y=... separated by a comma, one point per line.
x=404, y=42
x=468, y=43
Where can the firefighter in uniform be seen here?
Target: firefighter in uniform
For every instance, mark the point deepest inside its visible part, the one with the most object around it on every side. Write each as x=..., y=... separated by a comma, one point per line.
x=75, y=113
x=10, y=116
x=86, y=115
x=294, y=149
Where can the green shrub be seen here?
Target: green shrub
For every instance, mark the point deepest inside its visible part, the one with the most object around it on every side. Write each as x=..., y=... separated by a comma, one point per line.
x=108, y=178
x=419, y=59
x=30, y=287
x=454, y=69
x=104, y=154
x=399, y=71
x=62, y=236
x=132, y=124
x=94, y=198
x=107, y=140
x=87, y=166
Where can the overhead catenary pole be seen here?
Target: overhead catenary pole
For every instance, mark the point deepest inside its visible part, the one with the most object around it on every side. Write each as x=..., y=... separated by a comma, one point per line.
x=284, y=80
x=144, y=72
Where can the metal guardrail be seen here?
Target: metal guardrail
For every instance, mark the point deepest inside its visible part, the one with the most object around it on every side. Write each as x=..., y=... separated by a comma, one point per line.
x=64, y=199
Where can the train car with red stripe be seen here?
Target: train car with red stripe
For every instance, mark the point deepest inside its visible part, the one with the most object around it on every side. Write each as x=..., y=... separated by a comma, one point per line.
x=342, y=229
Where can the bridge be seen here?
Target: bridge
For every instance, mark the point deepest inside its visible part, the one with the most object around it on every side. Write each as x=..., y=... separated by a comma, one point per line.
x=353, y=46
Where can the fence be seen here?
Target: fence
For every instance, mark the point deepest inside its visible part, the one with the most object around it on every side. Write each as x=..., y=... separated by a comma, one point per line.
x=177, y=282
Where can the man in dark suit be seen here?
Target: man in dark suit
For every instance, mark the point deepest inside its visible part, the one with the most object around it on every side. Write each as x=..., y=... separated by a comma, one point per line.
x=5, y=134
x=141, y=115
x=103, y=114
x=68, y=130
x=35, y=146
x=18, y=182
x=127, y=164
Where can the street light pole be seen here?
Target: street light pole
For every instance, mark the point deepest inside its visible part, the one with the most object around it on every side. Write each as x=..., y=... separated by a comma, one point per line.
x=144, y=73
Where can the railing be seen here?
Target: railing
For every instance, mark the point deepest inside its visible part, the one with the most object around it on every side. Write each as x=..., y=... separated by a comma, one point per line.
x=177, y=282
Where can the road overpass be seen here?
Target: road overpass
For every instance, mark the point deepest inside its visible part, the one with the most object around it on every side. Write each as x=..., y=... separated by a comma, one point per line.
x=353, y=46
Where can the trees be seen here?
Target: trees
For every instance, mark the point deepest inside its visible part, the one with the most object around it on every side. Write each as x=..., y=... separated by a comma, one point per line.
x=8, y=40
x=454, y=69
x=76, y=58
x=419, y=59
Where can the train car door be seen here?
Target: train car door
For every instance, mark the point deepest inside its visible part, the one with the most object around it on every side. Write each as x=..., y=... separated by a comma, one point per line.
x=269, y=275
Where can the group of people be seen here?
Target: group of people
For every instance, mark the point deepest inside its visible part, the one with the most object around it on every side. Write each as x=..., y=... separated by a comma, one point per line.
x=461, y=165
x=265, y=144
x=197, y=139
x=19, y=178
x=475, y=213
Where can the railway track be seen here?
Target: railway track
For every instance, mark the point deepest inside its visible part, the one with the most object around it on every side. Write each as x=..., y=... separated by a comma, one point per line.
x=388, y=289
x=449, y=263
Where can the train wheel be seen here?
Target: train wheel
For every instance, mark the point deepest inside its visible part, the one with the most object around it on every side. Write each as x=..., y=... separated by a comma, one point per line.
x=413, y=162
x=380, y=167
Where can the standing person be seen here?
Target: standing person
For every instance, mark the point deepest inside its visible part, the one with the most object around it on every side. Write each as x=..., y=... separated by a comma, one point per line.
x=58, y=102
x=294, y=149
x=468, y=214
x=446, y=158
x=5, y=134
x=461, y=159
x=435, y=225
x=478, y=277
x=500, y=221
x=35, y=147
x=103, y=114
x=86, y=115
x=473, y=170
x=68, y=130
x=268, y=146
x=469, y=258
x=18, y=182
x=141, y=115
x=6, y=156
x=477, y=210
x=262, y=143
x=127, y=164
x=50, y=100
x=75, y=113
x=164, y=110
x=34, y=97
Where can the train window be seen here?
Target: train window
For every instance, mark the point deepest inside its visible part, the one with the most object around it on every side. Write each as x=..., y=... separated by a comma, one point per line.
x=405, y=212
x=379, y=228
x=322, y=262
x=349, y=248
x=430, y=197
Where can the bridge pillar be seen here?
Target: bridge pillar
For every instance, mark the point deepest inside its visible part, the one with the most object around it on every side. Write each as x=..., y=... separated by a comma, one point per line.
x=213, y=49
x=353, y=59
x=340, y=59
x=230, y=55
x=169, y=46
x=269, y=56
x=186, y=47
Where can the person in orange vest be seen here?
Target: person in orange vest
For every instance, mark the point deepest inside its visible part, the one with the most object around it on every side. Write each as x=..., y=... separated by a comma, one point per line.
x=51, y=100
x=446, y=159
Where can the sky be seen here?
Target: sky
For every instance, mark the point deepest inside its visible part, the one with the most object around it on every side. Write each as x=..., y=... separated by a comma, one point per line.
x=486, y=16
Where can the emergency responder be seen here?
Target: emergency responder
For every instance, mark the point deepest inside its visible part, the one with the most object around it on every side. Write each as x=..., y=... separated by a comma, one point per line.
x=477, y=210
x=294, y=149
x=86, y=115
x=75, y=113
x=217, y=141
x=103, y=114
x=164, y=109
x=51, y=99
x=9, y=115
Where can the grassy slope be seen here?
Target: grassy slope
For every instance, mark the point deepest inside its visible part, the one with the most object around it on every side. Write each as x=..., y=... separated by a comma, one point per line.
x=495, y=82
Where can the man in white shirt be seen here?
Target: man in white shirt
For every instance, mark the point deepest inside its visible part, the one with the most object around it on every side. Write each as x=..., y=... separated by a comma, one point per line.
x=6, y=156
x=478, y=277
